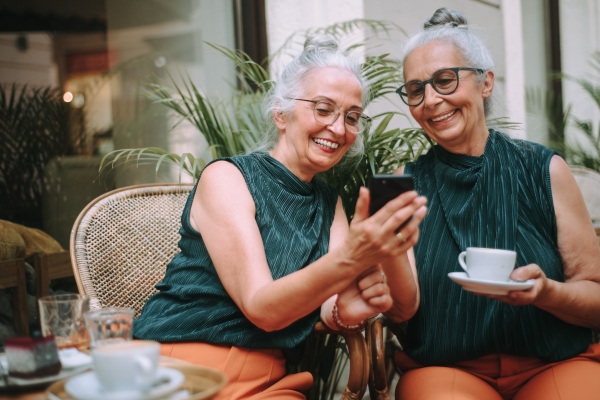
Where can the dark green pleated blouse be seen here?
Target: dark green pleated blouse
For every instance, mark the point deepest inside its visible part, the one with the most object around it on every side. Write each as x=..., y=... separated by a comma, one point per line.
x=501, y=199
x=294, y=218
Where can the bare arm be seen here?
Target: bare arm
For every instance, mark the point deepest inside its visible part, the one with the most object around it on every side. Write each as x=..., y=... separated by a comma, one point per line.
x=223, y=212
x=577, y=300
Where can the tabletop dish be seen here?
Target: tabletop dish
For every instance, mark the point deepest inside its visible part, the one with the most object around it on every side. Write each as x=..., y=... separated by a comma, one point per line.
x=488, y=287
x=73, y=361
x=200, y=383
x=87, y=387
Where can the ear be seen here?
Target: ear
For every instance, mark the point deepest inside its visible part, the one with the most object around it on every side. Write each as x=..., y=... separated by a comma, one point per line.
x=279, y=119
x=488, y=84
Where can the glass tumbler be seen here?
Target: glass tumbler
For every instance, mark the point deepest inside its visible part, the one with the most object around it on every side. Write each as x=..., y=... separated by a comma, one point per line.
x=62, y=316
x=109, y=325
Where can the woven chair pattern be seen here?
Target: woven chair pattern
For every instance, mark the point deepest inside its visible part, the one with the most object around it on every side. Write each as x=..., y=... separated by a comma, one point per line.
x=122, y=242
x=588, y=181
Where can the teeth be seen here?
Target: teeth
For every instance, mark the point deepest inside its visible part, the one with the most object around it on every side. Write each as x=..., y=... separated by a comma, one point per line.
x=443, y=117
x=326, y=143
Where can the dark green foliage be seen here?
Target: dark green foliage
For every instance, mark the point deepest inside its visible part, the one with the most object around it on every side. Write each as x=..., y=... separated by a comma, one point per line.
x=36, y=125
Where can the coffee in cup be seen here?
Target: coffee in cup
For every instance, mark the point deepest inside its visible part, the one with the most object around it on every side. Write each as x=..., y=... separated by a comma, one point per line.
x=488, y=264
x=126, y=366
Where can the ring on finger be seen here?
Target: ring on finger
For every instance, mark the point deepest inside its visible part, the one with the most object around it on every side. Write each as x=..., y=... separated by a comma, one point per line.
x=400, y=237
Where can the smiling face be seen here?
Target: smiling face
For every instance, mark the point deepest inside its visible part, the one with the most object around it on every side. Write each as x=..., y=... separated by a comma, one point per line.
x=455, y=121
x=307, y=147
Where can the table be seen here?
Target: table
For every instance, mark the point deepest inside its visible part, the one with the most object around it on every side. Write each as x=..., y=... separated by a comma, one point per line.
x=200, y=382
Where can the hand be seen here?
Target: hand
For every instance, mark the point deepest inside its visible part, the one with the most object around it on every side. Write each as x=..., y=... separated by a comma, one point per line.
x=525, y=297
x=369, y=295
x=372, y=239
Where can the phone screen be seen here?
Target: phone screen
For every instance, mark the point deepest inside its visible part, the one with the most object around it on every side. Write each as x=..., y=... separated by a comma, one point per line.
x=384, y=188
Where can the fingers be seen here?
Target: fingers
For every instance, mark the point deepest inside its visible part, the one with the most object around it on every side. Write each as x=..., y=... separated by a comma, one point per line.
x=361, y=211
x=409, y=234
x=531, y=271
x=373, y=287
x=372, y=277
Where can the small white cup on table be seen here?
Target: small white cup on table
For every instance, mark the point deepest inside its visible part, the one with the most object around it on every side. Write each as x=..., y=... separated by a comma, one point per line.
x=126, y=366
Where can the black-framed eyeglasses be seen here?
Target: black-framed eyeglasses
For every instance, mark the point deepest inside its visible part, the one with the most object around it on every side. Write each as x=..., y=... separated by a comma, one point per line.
x=327, y=113
x=445, y=81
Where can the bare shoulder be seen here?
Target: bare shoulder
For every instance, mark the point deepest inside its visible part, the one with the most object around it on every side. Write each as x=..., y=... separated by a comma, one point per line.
x=577, y=241
x=222, y=187
x=560, y=173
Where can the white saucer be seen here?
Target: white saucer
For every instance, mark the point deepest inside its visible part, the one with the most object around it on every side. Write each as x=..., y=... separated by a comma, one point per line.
x=87, y=387
x=488, y=287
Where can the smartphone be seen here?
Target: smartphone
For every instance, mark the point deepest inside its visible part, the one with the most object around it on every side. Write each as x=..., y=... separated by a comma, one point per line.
x=384, y=188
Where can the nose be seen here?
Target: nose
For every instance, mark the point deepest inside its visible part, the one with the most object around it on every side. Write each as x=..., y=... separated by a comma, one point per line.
x=431, y=96
x=338, y=127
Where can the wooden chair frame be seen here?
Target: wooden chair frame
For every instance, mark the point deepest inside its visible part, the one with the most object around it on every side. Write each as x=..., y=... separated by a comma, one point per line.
x=12, y=275
x=48, y=267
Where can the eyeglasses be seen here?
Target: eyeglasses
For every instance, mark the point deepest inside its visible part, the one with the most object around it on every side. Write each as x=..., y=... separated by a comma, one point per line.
x=444, y=81
x=327, y=113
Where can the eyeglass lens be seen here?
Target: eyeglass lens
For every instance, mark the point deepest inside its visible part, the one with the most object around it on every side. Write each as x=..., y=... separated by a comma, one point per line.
x=444, y=82
x=327, y=113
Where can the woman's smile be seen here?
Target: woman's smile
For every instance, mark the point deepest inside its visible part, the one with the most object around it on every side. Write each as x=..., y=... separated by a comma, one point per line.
x=327, y=145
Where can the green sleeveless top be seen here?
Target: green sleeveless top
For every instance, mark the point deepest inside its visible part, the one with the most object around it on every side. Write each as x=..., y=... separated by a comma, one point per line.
x=501, y=199
x=294, y=218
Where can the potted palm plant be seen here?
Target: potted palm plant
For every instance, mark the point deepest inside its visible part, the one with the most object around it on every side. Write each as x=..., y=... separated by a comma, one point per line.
x=235, y=127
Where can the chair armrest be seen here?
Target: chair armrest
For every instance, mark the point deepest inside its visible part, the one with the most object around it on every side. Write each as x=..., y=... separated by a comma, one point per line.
x=376, y=344
x=378, y=387
x=359, y=361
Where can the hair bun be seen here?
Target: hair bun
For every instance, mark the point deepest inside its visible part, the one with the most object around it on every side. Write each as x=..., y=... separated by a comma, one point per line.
x=319, y=43
x=445, y=17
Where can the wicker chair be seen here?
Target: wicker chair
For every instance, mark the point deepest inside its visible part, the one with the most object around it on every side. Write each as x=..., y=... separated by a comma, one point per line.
x=120, y=246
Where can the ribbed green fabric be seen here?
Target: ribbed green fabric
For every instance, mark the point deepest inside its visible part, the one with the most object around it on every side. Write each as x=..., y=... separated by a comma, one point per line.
x=294, y=218
x=503, y=200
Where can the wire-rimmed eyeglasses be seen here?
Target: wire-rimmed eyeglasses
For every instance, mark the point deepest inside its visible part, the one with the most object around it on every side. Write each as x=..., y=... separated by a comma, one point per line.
x=327, y=113
x=445, y=81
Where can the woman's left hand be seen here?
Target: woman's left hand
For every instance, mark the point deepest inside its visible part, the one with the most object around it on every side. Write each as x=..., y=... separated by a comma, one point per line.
x=369, y=295
x=524, y=297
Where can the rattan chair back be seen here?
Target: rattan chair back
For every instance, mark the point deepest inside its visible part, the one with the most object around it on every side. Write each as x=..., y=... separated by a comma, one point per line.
x=588, y=181
x=123, y=240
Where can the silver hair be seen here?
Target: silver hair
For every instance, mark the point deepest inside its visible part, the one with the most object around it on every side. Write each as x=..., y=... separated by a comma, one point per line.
x=451, y=26
x=320, y=51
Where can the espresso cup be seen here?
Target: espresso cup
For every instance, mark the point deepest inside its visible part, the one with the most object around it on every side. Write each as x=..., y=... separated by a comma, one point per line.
x=488, y=264
x=126, y=366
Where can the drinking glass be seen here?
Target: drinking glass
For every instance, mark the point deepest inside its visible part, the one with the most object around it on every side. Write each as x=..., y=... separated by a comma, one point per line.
x=109, y=325
x=62, y=316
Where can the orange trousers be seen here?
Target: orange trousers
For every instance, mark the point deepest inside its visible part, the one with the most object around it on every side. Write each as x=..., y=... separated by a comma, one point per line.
x=256, y=374
x=502, y=377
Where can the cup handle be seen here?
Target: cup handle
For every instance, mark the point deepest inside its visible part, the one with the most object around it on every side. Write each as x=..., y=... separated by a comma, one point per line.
x=461, y=260
x=146, y=371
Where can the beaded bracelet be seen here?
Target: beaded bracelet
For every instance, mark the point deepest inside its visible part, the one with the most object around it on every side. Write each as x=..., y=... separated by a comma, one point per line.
x=343, y=327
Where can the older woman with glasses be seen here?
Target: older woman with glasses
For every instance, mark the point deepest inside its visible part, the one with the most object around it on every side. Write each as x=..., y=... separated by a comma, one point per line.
x=486, y=189
x=266, y=249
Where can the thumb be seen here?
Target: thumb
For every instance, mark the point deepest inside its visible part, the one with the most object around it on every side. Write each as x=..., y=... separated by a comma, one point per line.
x=361, y=211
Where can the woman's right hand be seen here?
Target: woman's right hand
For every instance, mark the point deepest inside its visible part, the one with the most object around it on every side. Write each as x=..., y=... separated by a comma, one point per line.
x=371, y=239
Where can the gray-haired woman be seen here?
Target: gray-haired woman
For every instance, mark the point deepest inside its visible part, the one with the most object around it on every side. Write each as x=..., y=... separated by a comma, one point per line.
x=488, y=190
x=266, y=249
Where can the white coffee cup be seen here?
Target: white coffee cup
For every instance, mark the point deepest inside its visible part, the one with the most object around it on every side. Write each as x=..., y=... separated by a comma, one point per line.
x=126, y=366
x=488, y=264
